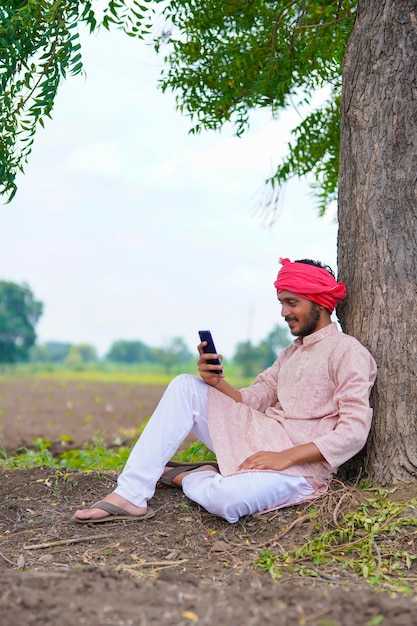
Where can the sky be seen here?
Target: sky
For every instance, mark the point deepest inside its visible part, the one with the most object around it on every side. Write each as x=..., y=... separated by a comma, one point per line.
x=127, y=227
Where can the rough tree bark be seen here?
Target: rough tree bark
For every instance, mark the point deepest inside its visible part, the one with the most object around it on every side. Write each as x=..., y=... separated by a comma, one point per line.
x=377, y=242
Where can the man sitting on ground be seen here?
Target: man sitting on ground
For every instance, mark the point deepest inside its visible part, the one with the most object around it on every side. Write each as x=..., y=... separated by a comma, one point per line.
x=278, y=441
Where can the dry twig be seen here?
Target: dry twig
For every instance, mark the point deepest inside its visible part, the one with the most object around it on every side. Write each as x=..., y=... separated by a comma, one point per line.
x=64, y=542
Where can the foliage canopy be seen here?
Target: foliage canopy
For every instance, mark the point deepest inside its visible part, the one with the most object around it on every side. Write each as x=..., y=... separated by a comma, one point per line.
x=222, y=60
x=19, y=314
x=227, y=58
x=39, y=47
x=255, y=359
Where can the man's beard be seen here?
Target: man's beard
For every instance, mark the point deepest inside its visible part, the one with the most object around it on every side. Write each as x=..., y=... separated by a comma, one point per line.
x=311, y=323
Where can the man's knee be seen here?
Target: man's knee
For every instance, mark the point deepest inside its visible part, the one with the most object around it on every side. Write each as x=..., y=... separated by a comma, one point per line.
x=179, y=386
x=180, y=380
x=225, y=501
x=215, y=493
x=183, y=381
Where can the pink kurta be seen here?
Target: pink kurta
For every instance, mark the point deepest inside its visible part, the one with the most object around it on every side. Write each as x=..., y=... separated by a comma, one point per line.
x=316, y=391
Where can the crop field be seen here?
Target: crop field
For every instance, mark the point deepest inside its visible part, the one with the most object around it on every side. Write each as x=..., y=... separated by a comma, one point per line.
x=70, y=410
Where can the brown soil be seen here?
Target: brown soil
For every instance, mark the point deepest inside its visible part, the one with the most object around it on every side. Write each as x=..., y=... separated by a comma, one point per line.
x=181, y=567
x=70, y=413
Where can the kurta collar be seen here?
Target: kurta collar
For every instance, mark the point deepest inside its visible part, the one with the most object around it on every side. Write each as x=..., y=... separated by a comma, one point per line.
x=325, y=332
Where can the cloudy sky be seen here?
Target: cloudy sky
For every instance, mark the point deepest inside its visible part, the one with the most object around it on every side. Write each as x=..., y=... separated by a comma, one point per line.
x=127, y=227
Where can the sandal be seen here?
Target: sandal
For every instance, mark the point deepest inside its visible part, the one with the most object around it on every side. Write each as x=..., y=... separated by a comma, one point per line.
x=179, y=468
x=115, y=513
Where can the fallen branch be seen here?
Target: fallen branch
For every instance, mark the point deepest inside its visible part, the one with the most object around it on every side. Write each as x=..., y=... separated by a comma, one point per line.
x=158, y=565
x=141, y=563
x=64, y=542
x=7, y=560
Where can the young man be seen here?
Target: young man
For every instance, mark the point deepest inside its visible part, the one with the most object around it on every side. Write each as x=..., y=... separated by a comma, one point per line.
x=277, y=441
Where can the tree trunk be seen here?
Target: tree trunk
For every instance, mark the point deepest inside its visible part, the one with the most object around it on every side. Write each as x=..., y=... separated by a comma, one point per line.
x=377, y=242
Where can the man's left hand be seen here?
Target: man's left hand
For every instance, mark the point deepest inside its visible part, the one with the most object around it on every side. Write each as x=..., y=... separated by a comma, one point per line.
x=276, y=461
x=279, y=461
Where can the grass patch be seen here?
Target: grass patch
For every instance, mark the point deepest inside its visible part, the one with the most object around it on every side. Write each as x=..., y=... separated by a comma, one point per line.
x=143, y=375
x=24, y=458
x=370, y=541
x=94, y=455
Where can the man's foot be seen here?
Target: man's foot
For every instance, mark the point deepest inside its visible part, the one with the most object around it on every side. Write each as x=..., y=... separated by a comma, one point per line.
x=112, y=498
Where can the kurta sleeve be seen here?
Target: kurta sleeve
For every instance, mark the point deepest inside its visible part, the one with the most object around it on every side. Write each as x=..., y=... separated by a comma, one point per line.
x=354, y=370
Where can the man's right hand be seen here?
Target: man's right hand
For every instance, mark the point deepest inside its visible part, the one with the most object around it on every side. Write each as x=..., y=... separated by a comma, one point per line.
x=209, y=372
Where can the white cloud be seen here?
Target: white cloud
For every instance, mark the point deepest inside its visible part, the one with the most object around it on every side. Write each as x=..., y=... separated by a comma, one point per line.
x=162, y=172
x=101, y=159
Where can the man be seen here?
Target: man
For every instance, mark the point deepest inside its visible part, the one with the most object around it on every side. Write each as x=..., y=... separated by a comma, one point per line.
x=277, y=441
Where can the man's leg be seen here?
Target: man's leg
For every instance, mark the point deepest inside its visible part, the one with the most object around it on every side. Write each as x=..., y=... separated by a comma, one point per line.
x=232, y=497
x=182, y=409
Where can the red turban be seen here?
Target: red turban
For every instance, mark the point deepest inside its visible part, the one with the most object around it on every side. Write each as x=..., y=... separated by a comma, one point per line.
x=310, y=282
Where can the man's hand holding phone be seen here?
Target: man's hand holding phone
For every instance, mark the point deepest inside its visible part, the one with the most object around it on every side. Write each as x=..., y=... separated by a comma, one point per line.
x=209, y=364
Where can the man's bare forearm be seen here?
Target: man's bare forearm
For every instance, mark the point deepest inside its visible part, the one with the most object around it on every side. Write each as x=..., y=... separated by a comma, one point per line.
x=228, y=390
x=280, y=461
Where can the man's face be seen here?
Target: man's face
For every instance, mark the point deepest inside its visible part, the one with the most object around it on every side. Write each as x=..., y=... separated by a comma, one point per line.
x=302, y=316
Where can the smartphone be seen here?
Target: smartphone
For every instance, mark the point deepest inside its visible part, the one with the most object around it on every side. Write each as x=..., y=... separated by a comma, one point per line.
x=210, y=348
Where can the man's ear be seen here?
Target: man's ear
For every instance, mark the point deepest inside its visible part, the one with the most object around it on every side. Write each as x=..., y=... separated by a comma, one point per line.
x=323, y=308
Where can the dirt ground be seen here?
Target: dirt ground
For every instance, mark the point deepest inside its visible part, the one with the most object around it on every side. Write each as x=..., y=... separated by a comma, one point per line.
x=181, y=567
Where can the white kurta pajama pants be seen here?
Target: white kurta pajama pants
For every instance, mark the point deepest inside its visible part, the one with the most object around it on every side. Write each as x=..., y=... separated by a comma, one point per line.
x=182, y=410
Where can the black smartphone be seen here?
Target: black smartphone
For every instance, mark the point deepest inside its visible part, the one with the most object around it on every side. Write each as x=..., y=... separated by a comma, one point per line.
x=210, y=348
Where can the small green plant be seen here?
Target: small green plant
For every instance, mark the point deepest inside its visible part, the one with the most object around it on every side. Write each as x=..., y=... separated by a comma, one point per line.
x=266, y=561
x=23, y=458
x=195, y=453
x=95, y=455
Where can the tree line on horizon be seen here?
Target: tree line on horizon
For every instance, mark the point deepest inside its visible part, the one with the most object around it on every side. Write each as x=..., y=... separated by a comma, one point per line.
x=20, y=312
x=252, y=358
